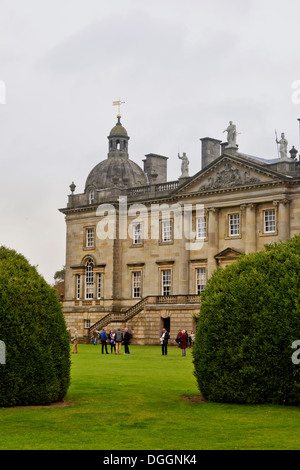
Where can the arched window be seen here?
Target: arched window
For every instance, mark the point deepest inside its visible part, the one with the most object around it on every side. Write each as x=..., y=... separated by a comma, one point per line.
x=91, y=196
x=89, y=279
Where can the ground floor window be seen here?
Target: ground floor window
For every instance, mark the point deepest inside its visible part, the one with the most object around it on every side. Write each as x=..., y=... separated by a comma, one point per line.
x=89, y=280
x=166, y=230
x=200, y=280
x=99, y=286
x=89, y=284
x=136, y=284
x=137, y=234
x=78, y=286
x=201, y=228
x=234, y=224
x=166, y=281
x=269, y=221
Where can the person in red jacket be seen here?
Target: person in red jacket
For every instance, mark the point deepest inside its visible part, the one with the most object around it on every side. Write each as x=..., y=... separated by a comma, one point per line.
x=182, y=341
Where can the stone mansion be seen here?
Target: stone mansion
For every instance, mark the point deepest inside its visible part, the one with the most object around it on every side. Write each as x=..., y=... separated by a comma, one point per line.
x=139, y=248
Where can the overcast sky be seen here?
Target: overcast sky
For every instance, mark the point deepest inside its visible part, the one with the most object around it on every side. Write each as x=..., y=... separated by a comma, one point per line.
x=183, y=68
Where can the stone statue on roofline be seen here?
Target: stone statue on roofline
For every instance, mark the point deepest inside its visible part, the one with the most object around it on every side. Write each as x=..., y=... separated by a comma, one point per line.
x=283, y=143
x=184, y=165
x=231, y=135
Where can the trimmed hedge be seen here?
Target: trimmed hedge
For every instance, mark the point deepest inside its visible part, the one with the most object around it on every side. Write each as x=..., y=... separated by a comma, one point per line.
x=32, y=326
x=249, y=318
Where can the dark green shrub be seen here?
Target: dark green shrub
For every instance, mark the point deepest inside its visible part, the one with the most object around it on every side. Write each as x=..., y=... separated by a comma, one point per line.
x=249, y=318
x=32, y=326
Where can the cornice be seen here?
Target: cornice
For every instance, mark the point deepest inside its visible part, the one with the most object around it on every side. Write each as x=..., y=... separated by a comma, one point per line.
x=175, y=196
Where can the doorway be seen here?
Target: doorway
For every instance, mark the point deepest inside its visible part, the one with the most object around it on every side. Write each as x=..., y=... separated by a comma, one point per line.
x=167, y=323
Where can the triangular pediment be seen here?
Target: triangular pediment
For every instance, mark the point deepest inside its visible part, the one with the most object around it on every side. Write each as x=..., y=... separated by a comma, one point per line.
x=228, y=172
x=228, y=253
x=227, y=256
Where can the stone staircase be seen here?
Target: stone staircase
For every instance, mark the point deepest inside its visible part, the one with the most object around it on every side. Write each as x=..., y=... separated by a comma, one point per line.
x=138, y=307
x=119, y=317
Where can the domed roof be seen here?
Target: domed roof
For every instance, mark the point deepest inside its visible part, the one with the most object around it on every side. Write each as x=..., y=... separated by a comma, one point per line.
x=120, y=172
x=118, y=131
x=117, y=170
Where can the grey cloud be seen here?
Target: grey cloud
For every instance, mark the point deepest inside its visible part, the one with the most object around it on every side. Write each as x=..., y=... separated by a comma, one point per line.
x=184, y=69
x=119, y=42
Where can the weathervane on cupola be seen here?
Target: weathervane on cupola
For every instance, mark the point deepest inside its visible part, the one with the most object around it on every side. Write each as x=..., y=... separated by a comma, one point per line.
x=118, y=103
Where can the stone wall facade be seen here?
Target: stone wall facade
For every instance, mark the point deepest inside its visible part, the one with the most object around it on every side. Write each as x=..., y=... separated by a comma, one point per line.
x=169, y=237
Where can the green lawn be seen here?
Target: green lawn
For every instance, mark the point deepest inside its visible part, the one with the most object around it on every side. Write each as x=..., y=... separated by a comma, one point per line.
x=134, y=402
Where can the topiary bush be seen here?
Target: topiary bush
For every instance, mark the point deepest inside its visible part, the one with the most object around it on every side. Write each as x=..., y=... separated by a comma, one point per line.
x=249, y=318
x=37, y=363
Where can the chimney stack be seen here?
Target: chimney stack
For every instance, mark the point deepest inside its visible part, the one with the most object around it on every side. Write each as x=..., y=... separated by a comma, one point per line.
x=211, y=150
x=155, y=166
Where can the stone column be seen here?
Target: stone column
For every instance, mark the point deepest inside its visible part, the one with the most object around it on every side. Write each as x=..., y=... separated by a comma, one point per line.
x=213, y=239
x=117, y=264
x=250, y=229
x=283, y=219
x=182, y=267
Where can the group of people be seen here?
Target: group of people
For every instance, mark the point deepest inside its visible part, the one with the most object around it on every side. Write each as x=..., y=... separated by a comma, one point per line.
x=114, y=338
x=183, y=341
x=117, y=338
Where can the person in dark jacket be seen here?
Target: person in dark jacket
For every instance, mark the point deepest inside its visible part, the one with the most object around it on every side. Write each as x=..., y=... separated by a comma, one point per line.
x=126, y=340
x=164, y=341
x=103, y=339
x=118, y=340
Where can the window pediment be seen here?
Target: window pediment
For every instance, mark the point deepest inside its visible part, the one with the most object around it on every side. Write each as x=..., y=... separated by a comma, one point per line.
x=227, y=256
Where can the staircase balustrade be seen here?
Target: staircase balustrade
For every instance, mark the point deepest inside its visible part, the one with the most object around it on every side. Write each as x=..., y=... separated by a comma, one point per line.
x=138, y=307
